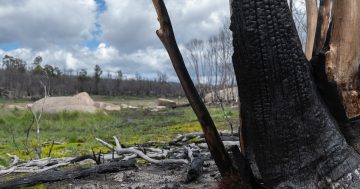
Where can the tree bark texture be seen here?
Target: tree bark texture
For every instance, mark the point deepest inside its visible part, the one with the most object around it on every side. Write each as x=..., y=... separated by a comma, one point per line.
x=290, y=135
x=343, y=58
x=311, y=20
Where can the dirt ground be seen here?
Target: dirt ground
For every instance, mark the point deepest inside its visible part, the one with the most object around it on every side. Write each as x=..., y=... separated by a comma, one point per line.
x=146, y=177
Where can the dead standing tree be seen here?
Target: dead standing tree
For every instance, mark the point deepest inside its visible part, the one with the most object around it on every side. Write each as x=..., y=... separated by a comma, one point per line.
x=167, y=37
x=291, y=136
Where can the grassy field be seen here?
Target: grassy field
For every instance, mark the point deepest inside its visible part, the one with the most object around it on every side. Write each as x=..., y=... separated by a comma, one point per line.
x=77, y=131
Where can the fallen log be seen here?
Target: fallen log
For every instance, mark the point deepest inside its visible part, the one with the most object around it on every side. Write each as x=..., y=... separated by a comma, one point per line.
x=182, y=106
x=83, y=157
x=75, y=173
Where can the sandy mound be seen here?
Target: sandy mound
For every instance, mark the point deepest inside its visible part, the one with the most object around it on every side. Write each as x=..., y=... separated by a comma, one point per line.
x=228, y=94
x=81, y=102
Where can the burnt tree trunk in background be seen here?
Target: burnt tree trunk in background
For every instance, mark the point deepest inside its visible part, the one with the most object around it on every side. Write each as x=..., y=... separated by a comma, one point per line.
x=290, y=134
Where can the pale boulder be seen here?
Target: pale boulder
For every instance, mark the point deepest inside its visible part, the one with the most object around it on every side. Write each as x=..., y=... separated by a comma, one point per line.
x=166, y=102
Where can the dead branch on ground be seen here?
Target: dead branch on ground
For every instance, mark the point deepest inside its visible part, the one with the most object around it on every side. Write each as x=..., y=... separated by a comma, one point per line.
x=118, y=149
x=69, y=174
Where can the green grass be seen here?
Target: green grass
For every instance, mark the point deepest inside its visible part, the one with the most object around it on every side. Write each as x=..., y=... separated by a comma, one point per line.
x=77, y=130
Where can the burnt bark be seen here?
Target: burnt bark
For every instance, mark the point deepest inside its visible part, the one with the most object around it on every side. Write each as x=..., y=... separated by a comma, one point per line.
x=290, y=134
x=76, y=173
x=195, y=171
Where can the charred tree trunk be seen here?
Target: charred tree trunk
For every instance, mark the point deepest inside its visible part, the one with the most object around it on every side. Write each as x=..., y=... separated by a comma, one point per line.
x=290, y=134
x=69, y=174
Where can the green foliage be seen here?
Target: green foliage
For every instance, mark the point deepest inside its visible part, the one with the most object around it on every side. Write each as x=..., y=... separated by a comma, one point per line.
x=98, y=73
x=37, y=70
x=14, y=64
x=4, y=161
x=51, y=71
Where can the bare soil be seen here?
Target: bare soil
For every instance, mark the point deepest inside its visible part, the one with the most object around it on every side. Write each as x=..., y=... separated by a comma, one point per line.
x=147, y=176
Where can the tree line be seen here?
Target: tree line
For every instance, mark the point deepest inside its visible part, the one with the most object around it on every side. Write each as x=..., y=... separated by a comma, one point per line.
x=20, y=80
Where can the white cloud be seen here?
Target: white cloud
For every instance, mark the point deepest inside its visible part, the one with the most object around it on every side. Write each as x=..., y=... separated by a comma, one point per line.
x=130, y=25
x=145, y=62
x=40, y=24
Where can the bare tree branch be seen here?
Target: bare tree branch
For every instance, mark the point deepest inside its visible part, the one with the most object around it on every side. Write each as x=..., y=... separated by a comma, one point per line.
x=167, y=37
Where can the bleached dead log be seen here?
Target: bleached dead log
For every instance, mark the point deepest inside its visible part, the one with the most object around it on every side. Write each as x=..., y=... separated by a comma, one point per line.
x=36, y=170
x=36, y=166
x=231, y=143
x=132, y=156
x=154, y=152
x=7, y=171
x=225, y=136
x=15, y=159
x=188, y=136
x=41, y=165
x=189, y=154
x=156, y=155
x=46, y=162
x=118, y=149
x=227, y=133
x=227, y=144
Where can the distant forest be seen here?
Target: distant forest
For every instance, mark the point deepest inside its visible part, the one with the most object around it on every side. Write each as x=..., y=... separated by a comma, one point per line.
x=19, y=80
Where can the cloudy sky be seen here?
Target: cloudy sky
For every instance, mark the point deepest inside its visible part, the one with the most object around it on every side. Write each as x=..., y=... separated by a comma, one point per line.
x=116, y=34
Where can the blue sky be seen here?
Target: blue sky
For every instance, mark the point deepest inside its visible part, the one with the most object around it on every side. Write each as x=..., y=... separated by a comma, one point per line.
x=116, y=34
